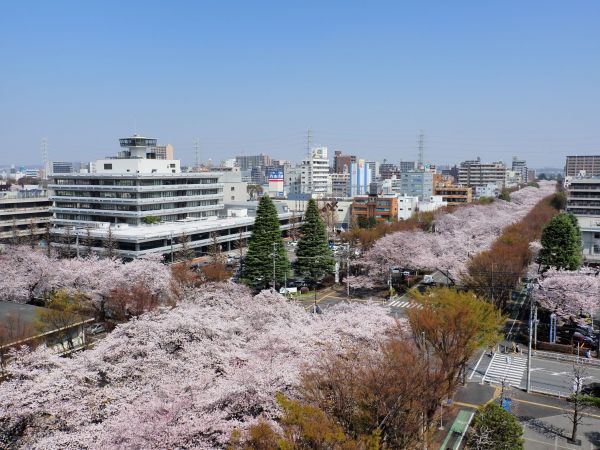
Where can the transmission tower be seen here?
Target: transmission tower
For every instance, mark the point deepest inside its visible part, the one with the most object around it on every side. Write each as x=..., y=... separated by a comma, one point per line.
x=45, y=157
x=308, y=143
x=421, y=149
x=197, y=150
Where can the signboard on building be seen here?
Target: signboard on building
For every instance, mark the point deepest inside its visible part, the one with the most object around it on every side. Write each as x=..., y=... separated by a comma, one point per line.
x=275, y=178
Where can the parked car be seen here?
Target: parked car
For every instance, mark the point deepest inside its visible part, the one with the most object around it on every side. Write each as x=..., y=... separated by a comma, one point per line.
x=96, y=328
x=428, y=279
x=580, y=339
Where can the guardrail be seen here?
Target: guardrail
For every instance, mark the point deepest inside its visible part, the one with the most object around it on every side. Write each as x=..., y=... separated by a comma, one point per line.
x=562, y=357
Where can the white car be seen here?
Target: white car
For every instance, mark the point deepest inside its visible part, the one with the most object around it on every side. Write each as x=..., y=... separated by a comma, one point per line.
x=97, y=328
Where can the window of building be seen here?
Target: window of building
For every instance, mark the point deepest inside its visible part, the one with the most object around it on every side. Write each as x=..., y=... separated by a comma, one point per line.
x=232, y=188
x=107, y=166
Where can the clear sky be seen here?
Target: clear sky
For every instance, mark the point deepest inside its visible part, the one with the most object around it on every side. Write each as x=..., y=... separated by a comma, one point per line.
x=480, y=78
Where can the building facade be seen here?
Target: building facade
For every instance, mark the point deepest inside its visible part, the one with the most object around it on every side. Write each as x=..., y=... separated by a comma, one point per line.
x=583, y=200
x=341, y=162
x=417, y=184
x=247, y=162
x=455, y=195
x=475, y=173
x=378, y=207
x=314, y=174
x=360, y=178
x=23, y=214
x=520, y=166
x=587, y=165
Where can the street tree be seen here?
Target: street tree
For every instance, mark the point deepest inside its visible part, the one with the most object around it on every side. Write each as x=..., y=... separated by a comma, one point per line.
x=314, y=257
x=561, y=244
x=185, y=252
x=454, y=324
x=578, y=400
x=266, y=253
x=110, y=244
x=494, y=428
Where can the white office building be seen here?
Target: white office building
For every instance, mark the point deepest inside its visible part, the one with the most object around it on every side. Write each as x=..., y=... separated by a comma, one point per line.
x=145, y=205
x=314, y=174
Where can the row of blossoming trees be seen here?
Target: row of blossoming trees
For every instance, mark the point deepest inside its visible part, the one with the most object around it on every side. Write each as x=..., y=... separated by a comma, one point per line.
x=454, y=238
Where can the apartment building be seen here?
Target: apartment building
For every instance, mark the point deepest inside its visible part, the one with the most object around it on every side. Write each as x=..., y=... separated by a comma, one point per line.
x=583, y=200
x=454, y=195
x=417, y=184
x=341, y=162
x=314, y=174
x=589, y=166
x=340, y=185
x=476, y=173
x=520, y=167
x=23, y=214
x=379, y=207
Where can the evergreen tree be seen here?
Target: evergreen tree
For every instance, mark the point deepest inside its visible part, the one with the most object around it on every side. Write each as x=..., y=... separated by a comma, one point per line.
x=494, y=428
x=561, y=244
x=266, y=235
x=315, y=259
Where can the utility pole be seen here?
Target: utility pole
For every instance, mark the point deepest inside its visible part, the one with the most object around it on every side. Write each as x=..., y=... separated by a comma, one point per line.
x=530, y=339
x=171, y=247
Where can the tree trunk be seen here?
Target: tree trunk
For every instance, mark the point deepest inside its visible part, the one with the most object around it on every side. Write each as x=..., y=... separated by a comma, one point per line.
x=575, y=421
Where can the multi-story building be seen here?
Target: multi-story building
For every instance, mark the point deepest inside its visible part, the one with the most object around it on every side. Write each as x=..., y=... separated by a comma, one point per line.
x=589, y=166
x=314, y=174
x=531, y=175
x=24, y=213
x=162, y=152
x=417, y=184
x=583, y=200
x=454, y=195
x=520, y=166
x=67, y=167
x=408, y=166
x=379, y=207
x=387, y=171
x=247, y=162
x=341, y=163
x=407, y=206
x=340, y=185
x=475, y=173
x=374, y=169
x=360, y=177
x=136, y=205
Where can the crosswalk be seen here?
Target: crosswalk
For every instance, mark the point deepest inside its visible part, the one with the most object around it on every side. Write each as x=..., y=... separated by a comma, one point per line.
x=506, y=367
x=404, y=304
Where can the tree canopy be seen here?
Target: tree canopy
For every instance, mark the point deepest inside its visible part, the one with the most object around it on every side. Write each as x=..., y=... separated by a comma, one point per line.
x=315, y=258
x=494, y=428
x=265, y=240
x=561, y=244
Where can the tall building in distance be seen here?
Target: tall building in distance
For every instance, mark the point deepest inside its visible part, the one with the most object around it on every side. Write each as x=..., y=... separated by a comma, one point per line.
x=476, y=173
x=417, y=184
x=360, y=178
x=341, y=163
x=520, y=167
x=247, y=162
x=588, y=166
x=314, y=174
x=408, y=166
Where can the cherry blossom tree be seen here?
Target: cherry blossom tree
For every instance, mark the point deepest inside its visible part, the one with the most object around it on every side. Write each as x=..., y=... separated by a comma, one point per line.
x=569, y=293
x=455, y=238
x=30, y=274
x=180, y=377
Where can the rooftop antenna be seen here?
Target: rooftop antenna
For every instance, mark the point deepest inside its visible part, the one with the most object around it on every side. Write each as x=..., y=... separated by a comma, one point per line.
x=45, y=156
x=421, y=148
x=197, y=149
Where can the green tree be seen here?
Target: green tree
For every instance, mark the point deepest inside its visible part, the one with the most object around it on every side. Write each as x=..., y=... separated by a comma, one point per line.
x=266, y=236
x=559, y=201
x=494, y=428
x=561, y=244
x=315, y=259
x=504, y=195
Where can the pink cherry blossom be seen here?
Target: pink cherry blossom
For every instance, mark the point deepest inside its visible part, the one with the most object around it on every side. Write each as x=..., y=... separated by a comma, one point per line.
x=182, y=377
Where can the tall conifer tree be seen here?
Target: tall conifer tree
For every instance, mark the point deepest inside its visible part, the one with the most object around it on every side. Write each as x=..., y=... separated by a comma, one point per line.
x=315, y=259
x=258, y=263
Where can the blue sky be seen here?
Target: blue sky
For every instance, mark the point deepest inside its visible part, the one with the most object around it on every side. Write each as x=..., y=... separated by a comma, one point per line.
x=480, y=78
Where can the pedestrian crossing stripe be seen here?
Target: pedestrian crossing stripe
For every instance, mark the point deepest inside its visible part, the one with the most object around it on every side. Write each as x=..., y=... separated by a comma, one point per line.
x=405, y=304
x=509, y=368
